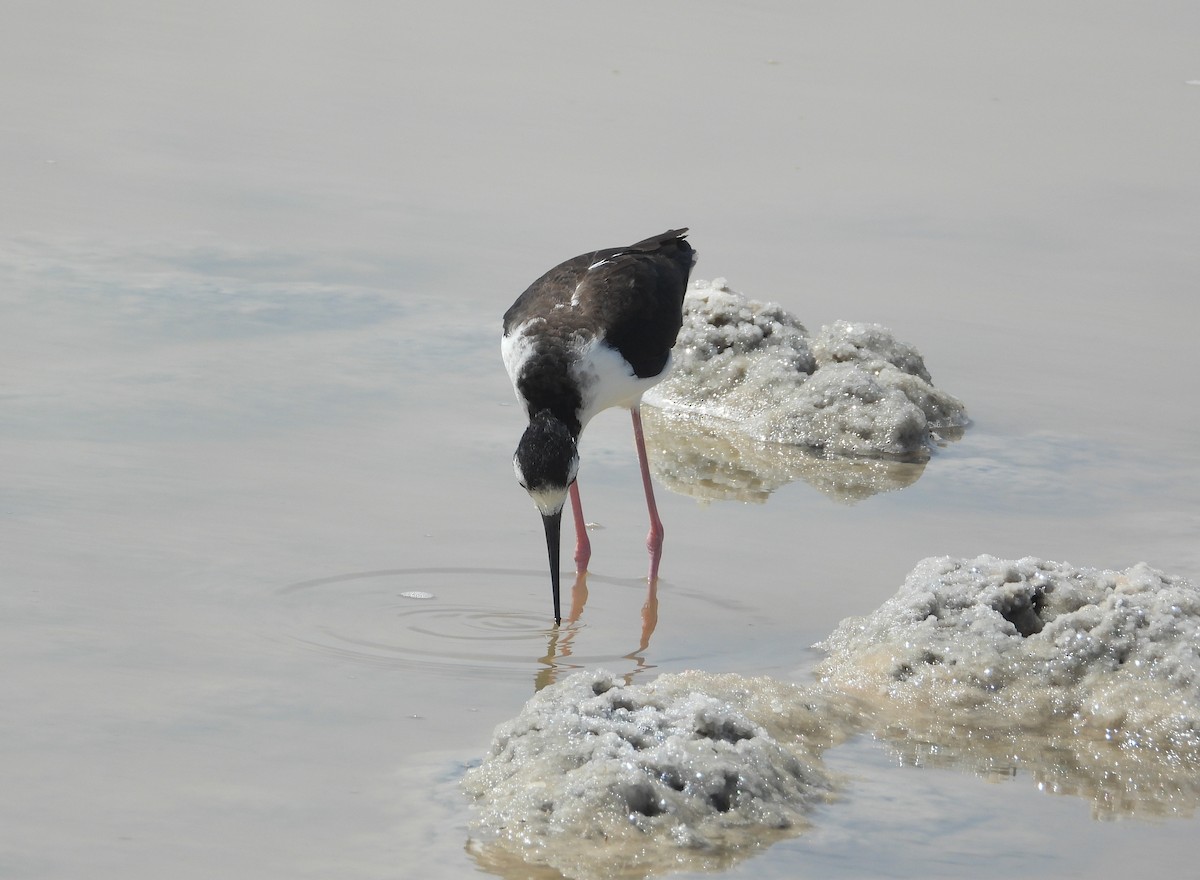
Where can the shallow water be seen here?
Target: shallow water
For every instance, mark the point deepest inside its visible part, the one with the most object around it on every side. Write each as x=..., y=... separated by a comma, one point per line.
x=252, y=270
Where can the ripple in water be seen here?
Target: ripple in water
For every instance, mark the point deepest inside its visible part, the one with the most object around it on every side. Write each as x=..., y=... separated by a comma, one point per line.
x=397, y=617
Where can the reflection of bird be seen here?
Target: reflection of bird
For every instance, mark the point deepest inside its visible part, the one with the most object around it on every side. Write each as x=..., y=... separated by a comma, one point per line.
x=593, y=332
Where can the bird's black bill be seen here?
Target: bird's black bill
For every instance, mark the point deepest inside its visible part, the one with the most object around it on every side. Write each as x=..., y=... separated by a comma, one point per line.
x=553, y=524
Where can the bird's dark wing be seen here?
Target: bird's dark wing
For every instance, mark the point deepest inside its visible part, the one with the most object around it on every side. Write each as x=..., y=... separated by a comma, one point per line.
x=673, y=241
x=669, y=251
x=637, y=294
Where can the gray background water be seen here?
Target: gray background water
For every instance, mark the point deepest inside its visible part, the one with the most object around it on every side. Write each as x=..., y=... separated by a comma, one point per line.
x=254, y=257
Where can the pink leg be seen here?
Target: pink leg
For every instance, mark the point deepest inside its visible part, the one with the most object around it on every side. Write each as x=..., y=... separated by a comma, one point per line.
x=583, y=545
x=654, y=540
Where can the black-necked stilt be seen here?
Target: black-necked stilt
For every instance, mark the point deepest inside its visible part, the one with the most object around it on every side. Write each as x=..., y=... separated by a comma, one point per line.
x=593, y=332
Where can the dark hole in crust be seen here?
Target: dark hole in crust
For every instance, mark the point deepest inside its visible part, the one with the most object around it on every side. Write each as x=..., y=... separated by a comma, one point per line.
x=1024, y=612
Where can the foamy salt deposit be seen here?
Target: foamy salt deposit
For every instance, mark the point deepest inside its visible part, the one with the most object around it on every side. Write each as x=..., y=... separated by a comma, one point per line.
x=852, y=390
x=1088, y=681
x=1116, y=654
x=596, y=777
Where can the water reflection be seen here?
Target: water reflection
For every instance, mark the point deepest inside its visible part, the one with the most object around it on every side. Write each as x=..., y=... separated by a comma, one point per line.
x=503, y=858
x=1058, y=755
x=558, y=660
x=711, y=461
x=1117, y=782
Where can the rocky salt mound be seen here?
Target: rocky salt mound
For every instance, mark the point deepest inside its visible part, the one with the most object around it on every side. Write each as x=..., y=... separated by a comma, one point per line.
x=595, y=777
x=1115, y=652
x=1087, y=679
x=851, y=390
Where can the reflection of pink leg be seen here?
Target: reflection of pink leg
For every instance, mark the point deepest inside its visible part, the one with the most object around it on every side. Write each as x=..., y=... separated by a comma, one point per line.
x=579, y=595
x=583, y=545
x=654, y=540
x=649, y=615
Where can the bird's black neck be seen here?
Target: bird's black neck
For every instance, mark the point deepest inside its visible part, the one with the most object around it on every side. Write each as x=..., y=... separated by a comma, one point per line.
x=546, y=387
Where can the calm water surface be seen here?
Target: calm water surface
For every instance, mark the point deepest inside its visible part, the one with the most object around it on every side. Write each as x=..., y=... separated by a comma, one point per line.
x=266, y=581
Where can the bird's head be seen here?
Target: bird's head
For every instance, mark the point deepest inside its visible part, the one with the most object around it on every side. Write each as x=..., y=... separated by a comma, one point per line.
x=546, y=462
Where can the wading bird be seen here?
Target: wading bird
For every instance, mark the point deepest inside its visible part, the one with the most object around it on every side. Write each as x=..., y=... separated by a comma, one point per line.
x=593, y=332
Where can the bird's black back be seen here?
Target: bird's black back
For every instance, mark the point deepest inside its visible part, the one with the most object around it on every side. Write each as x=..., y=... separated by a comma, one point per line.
x=632, y=295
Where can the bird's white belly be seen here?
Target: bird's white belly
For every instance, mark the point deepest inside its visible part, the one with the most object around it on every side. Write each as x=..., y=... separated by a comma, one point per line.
x=606, y=380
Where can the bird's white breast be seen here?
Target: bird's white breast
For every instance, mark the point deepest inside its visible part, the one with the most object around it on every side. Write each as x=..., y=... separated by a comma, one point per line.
x=515, y=349
x=606, y=379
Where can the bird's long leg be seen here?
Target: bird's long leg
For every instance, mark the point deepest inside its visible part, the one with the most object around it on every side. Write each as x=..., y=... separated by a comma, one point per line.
x=654, y=540
x=583, y=544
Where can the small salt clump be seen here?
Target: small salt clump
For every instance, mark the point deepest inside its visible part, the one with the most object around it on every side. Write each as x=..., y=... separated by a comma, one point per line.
x=595, y=775
x=853, y=390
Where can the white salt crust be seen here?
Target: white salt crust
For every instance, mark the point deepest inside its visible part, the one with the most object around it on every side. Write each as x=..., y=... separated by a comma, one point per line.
x=596, y=776
x=852, y=390
x=1086, y=680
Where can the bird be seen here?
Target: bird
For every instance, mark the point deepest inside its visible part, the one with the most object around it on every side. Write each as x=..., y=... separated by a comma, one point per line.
x=594, y=332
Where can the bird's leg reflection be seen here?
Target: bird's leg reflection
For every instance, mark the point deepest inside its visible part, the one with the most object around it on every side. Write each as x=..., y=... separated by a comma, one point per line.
x=649, y=622
x=579, y=596
x=583, y=544
x=649, y=616
x=562, y=637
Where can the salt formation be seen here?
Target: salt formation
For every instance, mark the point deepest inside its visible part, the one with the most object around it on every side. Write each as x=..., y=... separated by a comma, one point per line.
x=1118, y=651
x=1086, y=680
x=1090, y=679
x=596, y=777
x=853, y=390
